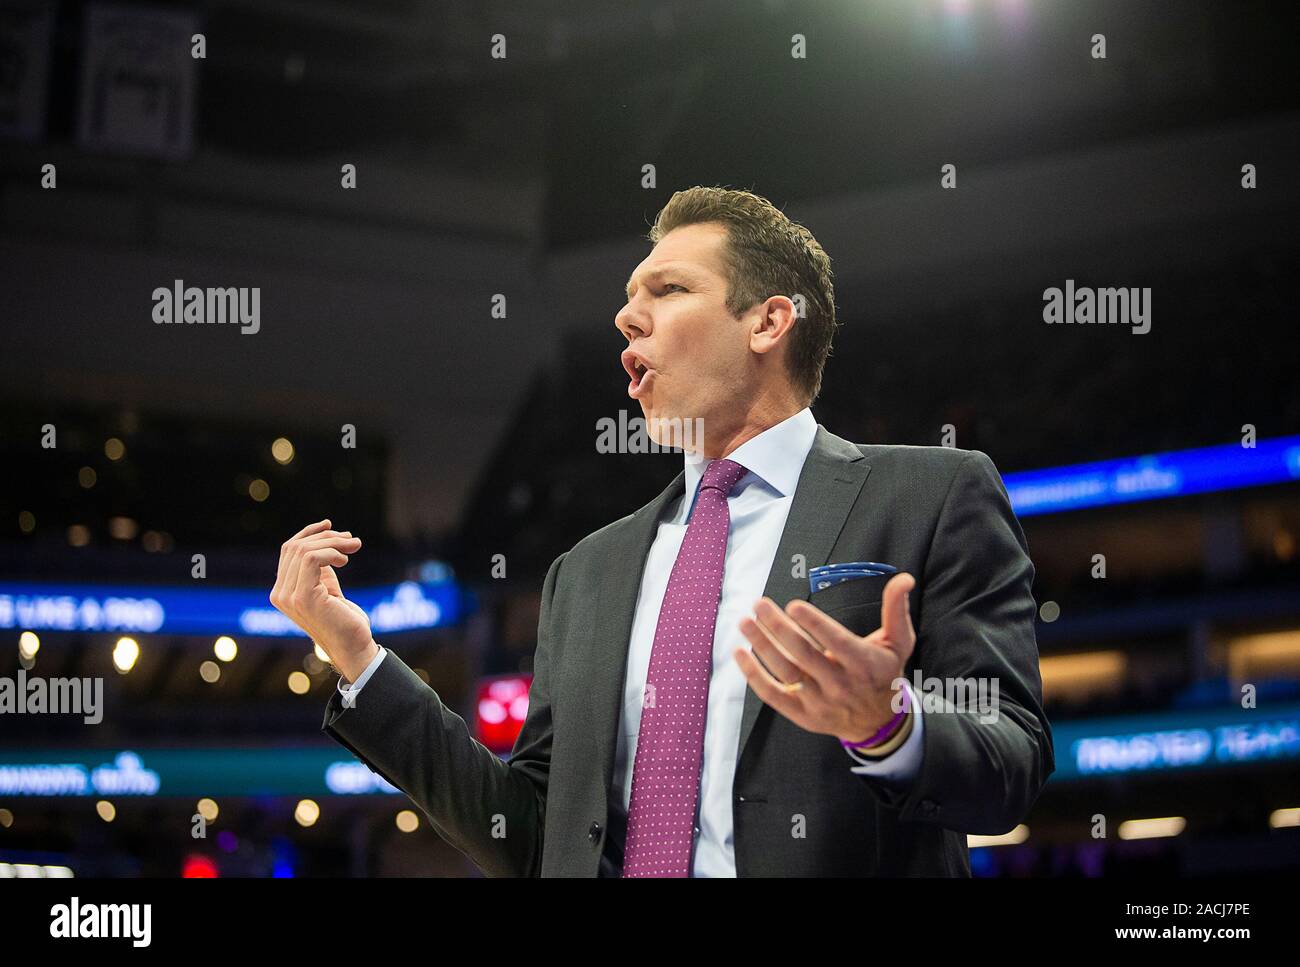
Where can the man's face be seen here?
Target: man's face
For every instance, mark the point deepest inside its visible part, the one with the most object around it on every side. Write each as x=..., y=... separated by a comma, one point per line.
x=687, y=357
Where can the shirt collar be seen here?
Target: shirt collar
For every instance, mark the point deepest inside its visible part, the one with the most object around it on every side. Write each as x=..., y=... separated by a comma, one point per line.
x=776, y=456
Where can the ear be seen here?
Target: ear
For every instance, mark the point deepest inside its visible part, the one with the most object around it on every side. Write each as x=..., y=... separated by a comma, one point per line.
x=772, y=322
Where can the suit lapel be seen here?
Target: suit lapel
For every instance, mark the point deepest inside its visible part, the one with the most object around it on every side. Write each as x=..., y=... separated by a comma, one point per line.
x=616, y=607
x=829, y=484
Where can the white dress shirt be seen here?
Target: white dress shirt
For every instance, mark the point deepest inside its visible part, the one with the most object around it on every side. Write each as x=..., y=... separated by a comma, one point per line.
x=759, y=505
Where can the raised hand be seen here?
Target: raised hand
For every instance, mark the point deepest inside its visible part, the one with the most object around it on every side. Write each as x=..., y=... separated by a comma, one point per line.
x=307, y=592
x=822, y=676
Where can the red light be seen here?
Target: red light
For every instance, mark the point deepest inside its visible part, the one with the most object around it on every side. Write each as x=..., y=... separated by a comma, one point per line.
x=199, y=868
x=501, y=709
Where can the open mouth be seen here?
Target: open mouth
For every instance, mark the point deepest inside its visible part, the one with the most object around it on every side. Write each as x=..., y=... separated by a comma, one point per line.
x=638, y=370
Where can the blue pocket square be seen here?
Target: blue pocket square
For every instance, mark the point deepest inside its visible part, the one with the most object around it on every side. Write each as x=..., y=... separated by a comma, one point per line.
x=829, y=575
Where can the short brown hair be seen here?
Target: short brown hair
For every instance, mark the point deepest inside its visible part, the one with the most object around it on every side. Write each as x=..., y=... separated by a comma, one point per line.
x=766, y=254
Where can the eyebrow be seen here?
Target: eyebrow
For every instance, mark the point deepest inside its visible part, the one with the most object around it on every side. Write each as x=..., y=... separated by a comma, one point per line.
x=675, y=268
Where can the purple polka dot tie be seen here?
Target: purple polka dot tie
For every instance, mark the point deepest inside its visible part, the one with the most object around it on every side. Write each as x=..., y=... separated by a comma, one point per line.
x=670, y=743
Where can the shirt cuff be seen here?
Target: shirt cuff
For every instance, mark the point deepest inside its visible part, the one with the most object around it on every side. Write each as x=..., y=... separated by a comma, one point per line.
x=903, y=763
x=350, y=692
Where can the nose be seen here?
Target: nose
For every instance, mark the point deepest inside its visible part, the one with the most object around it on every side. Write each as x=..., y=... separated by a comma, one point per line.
x=632, y=323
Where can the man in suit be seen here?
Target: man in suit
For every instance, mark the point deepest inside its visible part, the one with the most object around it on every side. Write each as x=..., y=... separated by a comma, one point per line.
x=699, y=707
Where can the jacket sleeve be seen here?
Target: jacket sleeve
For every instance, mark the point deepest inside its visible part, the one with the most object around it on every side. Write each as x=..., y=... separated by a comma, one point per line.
x=982, y=767
x=491, y=810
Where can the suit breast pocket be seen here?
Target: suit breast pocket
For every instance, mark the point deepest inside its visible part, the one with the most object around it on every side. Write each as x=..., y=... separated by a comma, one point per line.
x=852, y=593
x=861, y=619
x=854, y=604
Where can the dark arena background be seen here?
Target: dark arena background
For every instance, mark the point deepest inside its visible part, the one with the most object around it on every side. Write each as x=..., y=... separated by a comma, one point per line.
x=437, y=206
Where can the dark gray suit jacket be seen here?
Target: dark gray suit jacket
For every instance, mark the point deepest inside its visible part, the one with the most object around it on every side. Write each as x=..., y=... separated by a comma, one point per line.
x=939, y=513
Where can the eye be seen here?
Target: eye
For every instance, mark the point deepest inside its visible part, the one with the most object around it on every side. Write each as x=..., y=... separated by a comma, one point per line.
x=674, y=285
